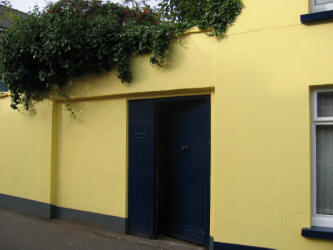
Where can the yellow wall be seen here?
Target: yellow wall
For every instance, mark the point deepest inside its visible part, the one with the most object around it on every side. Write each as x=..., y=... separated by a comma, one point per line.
x=91, y=160
x=263, y=172
x=25, y=149
x=259, y=76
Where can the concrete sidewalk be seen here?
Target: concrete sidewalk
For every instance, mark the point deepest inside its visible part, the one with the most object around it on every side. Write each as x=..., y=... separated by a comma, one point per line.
x=22, y=232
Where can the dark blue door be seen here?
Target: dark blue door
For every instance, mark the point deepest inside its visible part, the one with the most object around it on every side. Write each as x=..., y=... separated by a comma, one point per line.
x=141, y=168
x=170, y=168
x=187, y=126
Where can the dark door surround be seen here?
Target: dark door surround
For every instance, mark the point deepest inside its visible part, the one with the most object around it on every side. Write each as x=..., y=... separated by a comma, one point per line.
x=141, y=142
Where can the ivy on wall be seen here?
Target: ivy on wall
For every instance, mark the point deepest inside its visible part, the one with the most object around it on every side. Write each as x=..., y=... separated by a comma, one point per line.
x=40, y=52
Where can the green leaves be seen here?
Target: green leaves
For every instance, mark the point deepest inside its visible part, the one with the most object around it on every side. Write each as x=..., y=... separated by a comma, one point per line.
x=206, y=14
x=73, y=37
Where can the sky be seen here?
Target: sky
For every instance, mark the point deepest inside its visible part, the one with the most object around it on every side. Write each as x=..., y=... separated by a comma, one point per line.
x=26, y=5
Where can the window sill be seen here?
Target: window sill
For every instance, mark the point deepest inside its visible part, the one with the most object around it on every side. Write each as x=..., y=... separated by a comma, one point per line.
x=318, y=232
x=317, y=17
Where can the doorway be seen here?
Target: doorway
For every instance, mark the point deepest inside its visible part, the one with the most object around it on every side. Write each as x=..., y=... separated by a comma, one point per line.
x=169, y=168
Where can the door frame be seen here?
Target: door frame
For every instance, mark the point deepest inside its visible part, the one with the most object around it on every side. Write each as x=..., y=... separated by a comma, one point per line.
x=203, y=96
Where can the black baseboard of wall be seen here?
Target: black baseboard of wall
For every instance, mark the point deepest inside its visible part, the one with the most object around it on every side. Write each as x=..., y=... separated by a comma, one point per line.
x=106, y=222
x=228, y=246
x=47, y=211
x=26, y=206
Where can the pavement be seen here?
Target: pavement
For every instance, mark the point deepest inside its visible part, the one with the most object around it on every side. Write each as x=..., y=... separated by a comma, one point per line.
x=23, y=232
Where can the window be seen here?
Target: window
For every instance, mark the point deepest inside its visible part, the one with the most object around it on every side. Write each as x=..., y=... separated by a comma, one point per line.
x=3, y=87
x=321, y=5
x=322, y=130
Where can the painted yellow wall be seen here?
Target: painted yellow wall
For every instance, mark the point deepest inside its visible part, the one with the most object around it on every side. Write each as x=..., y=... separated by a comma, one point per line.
x=91, y=170
x=25, y=149
x=263, y=172
x=191, y=64
x=259, y=76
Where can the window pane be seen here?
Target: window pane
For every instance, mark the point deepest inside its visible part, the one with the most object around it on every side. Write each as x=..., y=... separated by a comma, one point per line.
x=325, y=104
x=323, y=1
x=3, y=87
x=324, y=169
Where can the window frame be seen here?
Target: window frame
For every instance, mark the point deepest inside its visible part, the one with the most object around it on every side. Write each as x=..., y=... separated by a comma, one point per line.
x=319, y=220
x=320, y=7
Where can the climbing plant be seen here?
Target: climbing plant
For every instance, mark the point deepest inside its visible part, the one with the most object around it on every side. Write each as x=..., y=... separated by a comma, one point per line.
x=42, y=51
